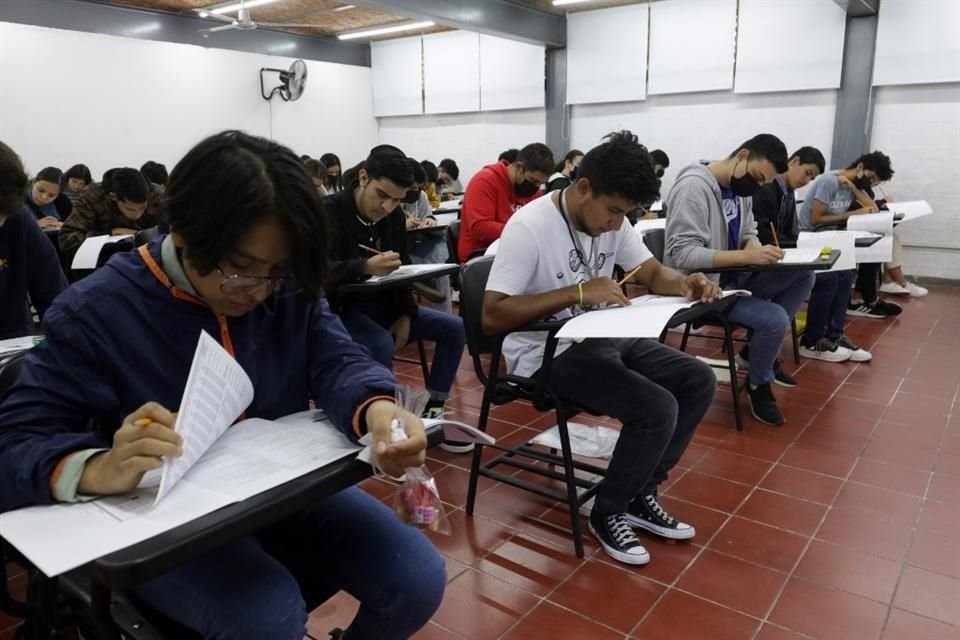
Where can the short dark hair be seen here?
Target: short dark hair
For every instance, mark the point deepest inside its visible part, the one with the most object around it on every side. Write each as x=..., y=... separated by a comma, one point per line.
x=331, y=160
x=810, y=155
x=127, y=183
x=315, y=168
x=349, y=176
x=431, y=170
x=13, y=181
x=450, y=168
x=876, y=161
x=155, y=172
x=80, y=171
x=660, y=158
x=231, y=181
x=621, y=166
x=510, y=155
x=767, y=146
x=387, y=161
x=50, y=174
x=573, y=153
x=536, y=157
x=419, y=175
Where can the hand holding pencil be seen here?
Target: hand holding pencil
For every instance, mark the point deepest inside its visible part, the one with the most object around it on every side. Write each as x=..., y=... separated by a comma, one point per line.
x=381, y=263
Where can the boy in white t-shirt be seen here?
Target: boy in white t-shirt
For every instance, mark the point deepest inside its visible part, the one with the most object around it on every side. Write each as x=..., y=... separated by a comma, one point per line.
x=555, y=259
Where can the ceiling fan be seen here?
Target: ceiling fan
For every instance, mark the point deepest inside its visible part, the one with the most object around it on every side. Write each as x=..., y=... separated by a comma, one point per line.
x=243, y=22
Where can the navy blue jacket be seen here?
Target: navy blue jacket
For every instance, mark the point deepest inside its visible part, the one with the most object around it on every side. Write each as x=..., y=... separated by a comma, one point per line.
x=122, y=337
x=28, y=266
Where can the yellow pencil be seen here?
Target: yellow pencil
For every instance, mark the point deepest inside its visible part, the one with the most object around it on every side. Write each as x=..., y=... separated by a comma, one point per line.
x=142, y=422
x=776, y=240
x=629, y=275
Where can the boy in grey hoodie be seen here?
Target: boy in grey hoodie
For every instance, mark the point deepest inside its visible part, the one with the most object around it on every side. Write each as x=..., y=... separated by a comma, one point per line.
x=710, y=224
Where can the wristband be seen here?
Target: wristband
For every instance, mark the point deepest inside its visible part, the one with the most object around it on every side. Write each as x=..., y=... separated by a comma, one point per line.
x=580, y=290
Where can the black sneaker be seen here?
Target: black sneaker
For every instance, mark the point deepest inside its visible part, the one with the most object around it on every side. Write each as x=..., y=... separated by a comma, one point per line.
x=887, y=308
x=780, y=376
x=763, y=405
x=876, y=310
x=618, y=539
x=646, y=513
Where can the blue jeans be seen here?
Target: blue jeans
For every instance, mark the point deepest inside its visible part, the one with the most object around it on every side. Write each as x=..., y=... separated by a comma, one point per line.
x=767, y=312
x=367, y=325
x=827, y=309
x=254, y=587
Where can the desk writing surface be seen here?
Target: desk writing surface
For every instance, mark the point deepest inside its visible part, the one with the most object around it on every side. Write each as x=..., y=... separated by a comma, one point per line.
x=822, y=264
x=406, y=275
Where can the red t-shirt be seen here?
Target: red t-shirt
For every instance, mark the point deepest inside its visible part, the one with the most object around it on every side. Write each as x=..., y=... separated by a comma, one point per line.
x=488, y=203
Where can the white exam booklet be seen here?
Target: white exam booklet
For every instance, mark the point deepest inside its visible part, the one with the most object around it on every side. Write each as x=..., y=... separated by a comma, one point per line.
x=86, y=256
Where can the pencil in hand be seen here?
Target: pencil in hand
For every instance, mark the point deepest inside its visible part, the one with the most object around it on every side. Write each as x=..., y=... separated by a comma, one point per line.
x=370, y=249
x=776, y=240
x=629, y=275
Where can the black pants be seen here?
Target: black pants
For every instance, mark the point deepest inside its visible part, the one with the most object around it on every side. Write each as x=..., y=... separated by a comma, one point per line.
x=867, y=276
x=658, y=393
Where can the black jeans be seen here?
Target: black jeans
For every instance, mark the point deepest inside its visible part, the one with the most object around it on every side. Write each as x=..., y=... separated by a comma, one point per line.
x=867, y=276
x=658, y=393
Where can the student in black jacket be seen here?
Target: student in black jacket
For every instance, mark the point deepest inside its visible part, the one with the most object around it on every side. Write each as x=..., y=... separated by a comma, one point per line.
x=776, y=203
x=369, y=239
x=29, y=269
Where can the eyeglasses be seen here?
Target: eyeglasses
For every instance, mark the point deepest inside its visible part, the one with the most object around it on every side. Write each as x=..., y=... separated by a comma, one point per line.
x=237, y=284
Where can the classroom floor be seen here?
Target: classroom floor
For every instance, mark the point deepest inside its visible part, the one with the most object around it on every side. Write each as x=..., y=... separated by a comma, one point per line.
x=842, y=525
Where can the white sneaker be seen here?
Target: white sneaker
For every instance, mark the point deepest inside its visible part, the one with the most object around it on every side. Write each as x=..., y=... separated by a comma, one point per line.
x=916, y=291
x=893, y=288
x=826, y=350
x=856, y=353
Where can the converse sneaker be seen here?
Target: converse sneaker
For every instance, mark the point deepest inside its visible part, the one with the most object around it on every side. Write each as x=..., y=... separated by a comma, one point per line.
x=856, y=353
x=763, y=405
x=827, y=350
x=780, y=376
x=617, y=538
x=646, y=513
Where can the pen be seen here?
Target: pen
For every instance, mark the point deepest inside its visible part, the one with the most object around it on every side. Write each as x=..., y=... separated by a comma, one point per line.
x=629, y=275
x=776, y=240
x=370, y=249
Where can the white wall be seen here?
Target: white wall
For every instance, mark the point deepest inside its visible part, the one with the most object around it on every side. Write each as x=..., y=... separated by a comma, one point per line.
x=918, y=126
x=471, y=139
x=695, y=126
x=123, y=101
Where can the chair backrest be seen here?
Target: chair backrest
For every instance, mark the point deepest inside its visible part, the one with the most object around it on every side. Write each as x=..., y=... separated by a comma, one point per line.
x=144, y=236
x=452, y=236
x=655, y=240
x=473, y=285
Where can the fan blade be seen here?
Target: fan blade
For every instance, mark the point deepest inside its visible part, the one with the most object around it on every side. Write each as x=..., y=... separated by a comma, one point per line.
x=217, y=16
x=285, y=25
x=225, y=27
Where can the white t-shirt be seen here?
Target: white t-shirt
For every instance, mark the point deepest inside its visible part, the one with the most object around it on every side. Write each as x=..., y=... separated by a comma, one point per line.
x=536, y=255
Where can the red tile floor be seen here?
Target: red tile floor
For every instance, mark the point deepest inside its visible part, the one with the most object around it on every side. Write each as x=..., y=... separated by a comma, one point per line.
x=842, y=525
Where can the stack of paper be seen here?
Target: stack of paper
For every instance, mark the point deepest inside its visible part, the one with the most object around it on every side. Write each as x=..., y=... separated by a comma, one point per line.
x=409, y=270
x=801, y=255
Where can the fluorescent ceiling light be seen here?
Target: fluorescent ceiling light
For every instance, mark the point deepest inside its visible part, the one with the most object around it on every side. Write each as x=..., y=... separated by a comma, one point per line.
x=397, y=28
x=235, y=6
x=560, y=3
x=345, y=8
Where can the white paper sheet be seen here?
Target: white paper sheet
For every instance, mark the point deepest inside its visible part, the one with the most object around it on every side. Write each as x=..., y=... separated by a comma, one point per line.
x=217, y=392
x=409, y=270
x=89, y=251
x=880, y=251
x=444, y=219
x=642, y=226
x=252, y=456
x=644, y=318
x=881, y=223
x=801, y=255
x=12, y=345
x=845, y=241
x=911, y=210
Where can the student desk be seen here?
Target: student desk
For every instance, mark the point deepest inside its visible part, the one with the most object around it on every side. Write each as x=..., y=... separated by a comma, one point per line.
x=161, y=554
x=821, y=264
x=402, y=281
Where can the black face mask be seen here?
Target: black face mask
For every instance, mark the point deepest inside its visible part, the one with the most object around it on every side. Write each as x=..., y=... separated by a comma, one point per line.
x=862, y=183
x=744, y=186
x=411, y=197
x=332, y=180
x=525, y=189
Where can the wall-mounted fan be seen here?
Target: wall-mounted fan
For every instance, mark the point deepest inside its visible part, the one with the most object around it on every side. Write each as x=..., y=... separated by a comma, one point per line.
x=243, y=22
x=292, y=82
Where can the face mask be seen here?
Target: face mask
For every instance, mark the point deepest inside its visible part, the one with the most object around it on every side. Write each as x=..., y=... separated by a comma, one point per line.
x=862, y=183
x=332, y=180
x=525, y=189
x=744, y=186
x=411, y=197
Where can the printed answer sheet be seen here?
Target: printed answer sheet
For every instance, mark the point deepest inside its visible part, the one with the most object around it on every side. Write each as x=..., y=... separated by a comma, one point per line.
x=409, y=270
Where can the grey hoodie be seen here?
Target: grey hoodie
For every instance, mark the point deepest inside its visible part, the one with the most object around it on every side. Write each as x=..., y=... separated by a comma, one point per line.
x=696, y=227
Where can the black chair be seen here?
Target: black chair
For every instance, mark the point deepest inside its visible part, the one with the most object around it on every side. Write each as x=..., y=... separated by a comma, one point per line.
x=655, y=239
x=452, y=236
x=113, y=248
x=145, y=236
x=501, y=389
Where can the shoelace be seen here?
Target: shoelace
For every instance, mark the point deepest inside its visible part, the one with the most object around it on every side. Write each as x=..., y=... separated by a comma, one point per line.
x=657, y=509
x=622, y=532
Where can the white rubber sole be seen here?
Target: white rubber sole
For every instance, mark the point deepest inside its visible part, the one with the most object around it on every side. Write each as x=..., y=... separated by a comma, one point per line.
x=825, y=356
x=635, y=559
x=663, y=532
x=457, y=448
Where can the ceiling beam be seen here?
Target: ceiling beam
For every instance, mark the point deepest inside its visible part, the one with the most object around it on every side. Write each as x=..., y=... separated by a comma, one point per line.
x=859, y=8
x=108, y=19
x=493, y=17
